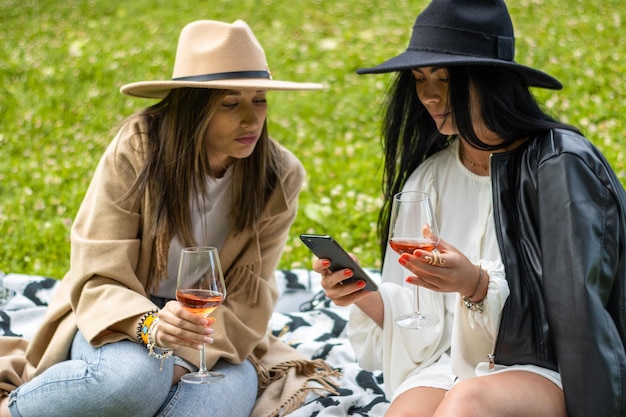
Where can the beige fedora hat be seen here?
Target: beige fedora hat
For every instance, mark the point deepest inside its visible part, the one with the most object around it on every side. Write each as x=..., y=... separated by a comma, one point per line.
x=213, y=54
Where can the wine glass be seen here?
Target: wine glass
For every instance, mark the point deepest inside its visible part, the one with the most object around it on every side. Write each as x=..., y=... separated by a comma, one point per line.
x=413, y=226
x=200, y=289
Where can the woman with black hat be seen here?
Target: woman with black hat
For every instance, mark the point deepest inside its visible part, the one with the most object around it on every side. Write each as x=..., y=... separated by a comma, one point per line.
x=195, y=168
x=529, y=280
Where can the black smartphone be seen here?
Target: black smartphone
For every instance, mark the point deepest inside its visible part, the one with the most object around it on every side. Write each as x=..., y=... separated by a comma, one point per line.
x=325, y=247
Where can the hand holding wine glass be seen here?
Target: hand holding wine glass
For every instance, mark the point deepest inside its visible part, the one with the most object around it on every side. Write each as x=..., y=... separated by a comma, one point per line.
x=412, y=227
x=200, y=289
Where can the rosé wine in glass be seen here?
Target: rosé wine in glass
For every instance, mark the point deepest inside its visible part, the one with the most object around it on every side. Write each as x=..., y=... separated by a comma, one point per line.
x=200, y=289
x=412, y=227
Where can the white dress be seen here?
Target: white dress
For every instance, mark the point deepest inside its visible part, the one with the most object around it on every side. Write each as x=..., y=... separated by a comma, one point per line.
x=458, y=347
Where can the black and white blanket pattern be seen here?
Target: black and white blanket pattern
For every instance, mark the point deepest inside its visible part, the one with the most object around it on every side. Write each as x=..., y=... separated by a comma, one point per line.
x=304, y=319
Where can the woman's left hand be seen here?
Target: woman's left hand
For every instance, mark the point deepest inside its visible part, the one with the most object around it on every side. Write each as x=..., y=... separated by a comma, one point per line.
x=446, y=269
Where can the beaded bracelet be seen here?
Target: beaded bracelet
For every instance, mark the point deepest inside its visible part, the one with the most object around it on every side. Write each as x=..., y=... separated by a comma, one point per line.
x=479, y=306
x=163, y=353
x=144, y=325
x=146, y=333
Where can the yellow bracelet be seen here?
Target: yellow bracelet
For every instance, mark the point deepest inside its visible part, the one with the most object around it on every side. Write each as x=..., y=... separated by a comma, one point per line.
x=144, y=326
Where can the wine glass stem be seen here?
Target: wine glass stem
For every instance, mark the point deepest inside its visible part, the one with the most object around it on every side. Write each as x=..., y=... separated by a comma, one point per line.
x=416, y=300
x=202, y=369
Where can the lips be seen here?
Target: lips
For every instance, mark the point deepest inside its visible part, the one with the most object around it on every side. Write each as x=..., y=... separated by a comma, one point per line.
x=247, y=139
x=439, y=116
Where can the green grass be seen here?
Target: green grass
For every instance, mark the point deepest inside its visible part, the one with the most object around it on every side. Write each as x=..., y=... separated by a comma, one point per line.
x=62, y=63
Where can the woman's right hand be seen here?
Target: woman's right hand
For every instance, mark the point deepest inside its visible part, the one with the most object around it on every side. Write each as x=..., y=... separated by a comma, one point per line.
x=337, y=289
x=346, y=293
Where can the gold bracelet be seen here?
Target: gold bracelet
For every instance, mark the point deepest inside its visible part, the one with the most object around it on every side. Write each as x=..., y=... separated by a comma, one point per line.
x=479, y=306
x=480, y=278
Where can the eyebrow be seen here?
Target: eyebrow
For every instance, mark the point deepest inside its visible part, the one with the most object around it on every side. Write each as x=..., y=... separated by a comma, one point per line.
x=434, y=68
x=238, y=93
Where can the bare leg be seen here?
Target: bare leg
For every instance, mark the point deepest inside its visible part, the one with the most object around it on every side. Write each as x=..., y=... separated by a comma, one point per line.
x=416, y=402
x=504, y=394
x=4, y=407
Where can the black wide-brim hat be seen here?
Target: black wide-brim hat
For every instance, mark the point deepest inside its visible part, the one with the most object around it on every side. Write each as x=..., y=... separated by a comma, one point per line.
x=463, y=32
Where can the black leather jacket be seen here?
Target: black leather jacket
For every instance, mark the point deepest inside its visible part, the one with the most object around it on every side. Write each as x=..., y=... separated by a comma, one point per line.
x=560, y=213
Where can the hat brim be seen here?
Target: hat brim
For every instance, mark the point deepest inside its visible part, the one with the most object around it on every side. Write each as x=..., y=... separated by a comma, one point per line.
x=159, y=89
x=413, y=59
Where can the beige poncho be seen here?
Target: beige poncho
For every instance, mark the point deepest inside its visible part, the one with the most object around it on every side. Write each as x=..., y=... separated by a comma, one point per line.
x=110, y=264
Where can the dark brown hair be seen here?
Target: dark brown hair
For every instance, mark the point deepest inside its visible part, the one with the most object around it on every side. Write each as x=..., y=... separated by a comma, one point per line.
x=177, y=165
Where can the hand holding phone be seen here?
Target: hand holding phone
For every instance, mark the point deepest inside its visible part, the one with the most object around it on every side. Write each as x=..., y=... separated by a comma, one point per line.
x=325, y=247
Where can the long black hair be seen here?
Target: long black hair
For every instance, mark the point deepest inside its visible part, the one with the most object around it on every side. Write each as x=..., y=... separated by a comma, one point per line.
x=410, y=135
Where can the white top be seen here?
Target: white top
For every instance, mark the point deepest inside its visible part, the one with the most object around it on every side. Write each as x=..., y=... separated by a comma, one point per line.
x=210, y=229
x=459, y=345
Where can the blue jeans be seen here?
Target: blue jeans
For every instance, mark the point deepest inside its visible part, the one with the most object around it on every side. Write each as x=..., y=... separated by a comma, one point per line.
x=120, y=379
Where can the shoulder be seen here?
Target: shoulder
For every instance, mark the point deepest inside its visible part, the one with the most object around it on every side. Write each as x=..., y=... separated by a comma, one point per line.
x=560, y=141
x=289, y=164
x=566, y=147
x=291, y=171
x=564, y=154
x=130, y=142
x=125, y=155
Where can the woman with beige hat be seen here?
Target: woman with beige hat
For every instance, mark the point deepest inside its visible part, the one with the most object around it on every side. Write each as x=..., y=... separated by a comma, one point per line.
x=529, y=280
x=196, y=168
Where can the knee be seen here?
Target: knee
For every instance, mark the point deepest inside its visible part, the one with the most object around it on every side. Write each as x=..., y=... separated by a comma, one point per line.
x=466, y=398
x=397, y=410
x=140, y=387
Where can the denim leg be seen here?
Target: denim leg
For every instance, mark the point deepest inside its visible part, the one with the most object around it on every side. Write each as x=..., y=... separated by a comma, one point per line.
x=117, y=379
x=232, y=396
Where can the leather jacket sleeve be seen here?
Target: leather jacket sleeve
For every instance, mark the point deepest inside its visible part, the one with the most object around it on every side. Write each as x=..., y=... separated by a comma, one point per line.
x=561, y=216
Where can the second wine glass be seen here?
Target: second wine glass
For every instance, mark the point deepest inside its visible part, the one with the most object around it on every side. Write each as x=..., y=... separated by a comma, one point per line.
x=200, y=289
x=412, y=227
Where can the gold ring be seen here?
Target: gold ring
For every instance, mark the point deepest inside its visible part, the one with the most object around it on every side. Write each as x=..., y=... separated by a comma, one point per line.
x=436, y=259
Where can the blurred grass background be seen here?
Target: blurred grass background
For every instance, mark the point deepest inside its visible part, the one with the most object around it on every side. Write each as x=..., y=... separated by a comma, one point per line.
x=62, y=63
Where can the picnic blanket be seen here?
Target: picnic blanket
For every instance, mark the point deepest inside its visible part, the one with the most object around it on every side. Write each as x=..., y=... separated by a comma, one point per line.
x=304, y=318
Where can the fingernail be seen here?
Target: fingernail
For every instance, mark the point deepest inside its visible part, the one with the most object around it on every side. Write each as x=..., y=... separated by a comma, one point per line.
x=209, y=340
x=403, y=260
x=326, y=262
x=409, y=279
x=347, y=273
x=360, y=284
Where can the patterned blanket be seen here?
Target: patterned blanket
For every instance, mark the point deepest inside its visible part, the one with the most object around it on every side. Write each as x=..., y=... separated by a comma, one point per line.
x=304, y=318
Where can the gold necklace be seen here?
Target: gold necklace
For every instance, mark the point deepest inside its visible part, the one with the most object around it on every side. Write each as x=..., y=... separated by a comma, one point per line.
x=472, y=163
